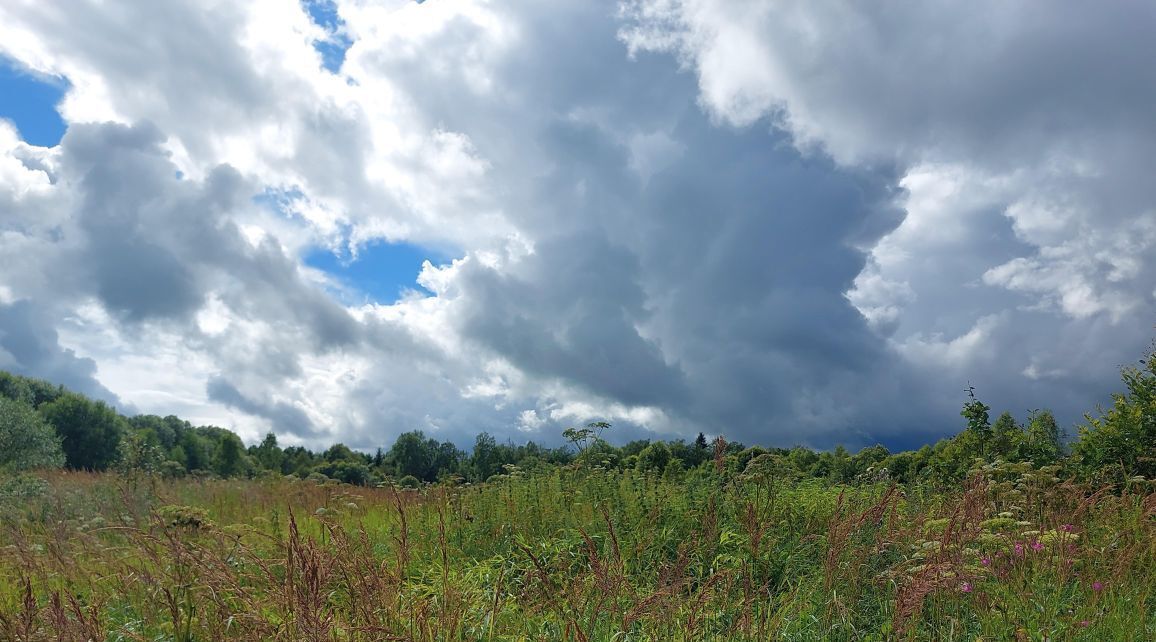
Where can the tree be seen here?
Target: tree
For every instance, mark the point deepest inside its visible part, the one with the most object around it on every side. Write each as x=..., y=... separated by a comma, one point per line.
x=410, y=456
x=869, y=458
x=192, y=450
x=16, y=388
x=349, y=471
x=26, y=440
x=902, y=467
x=654, y=458
x=1043, y=444
x=166, y=435
x=269, y=455
x=447, y=458
x=90, y=431
x=34, y=392
x=230, y=459
x=634, y=447
x=978, y=421
x=341, y=452
x=803, y=458
x=1124, y=436
x=297, y=461
x=485, y=461
x=952, y=458
x=1006, y=436
x=140, y=452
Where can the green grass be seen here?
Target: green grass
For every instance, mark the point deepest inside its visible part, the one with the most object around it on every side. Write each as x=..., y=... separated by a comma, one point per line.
x=575, y=555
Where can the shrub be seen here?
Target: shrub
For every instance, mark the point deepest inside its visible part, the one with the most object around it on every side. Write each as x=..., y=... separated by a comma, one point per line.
x=26, y=440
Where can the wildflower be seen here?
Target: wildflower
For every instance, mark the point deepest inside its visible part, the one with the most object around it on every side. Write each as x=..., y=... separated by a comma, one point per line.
x=1037, y=545
x=1097, y=586
x=1019, y=548
x=1085, y=623
x=985, y=561
x=1067, y=528
x=966, y=587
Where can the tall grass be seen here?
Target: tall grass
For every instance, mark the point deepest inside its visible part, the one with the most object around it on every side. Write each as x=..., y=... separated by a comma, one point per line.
x=579, y=555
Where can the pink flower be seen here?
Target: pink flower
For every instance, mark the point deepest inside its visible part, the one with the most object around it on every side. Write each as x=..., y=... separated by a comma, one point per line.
x=1067, y=528
x=1097, y=586
x=1037, y=546
x=1019, y=548
x=966, y=587
x=985, y=561
x=1084, y=623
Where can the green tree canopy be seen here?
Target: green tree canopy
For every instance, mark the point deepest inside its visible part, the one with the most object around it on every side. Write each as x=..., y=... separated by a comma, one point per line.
x=413, y=454
x=26, y=440
x=654, y=457
x=90, y=431
x=230, y=458
x=1042, y=443
x=1006, y=436
x=269, y=455
x=1124, y=436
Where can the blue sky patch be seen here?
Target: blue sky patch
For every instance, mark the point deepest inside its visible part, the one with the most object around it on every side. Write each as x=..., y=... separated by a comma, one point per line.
x=381, y=271
x=30, y=102
x=324, y=15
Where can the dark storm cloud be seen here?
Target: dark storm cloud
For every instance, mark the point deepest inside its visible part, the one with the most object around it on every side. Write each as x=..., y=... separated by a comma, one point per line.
x=284, y=418
x=1019, y=133
x=571, y=312
x=29, y=346
x=711, y=288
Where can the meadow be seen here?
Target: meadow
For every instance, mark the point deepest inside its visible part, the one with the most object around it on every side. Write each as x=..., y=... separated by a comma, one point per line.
x=1016, y=552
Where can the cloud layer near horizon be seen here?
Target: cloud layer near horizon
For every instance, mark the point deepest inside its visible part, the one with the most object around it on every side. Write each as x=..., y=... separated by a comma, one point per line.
x=785, y=222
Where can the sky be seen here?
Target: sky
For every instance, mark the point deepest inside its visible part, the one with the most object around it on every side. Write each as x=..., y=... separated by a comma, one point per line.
x=784, y=221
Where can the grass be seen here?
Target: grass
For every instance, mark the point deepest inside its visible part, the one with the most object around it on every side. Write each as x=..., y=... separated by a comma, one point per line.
x=566, y=554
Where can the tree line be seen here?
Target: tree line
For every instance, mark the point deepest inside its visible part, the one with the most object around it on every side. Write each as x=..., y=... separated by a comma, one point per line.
x=47, y=426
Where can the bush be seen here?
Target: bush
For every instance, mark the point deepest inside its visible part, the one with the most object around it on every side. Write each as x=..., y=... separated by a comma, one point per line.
x=26, y=440
x=90, y=431
x=409, y=481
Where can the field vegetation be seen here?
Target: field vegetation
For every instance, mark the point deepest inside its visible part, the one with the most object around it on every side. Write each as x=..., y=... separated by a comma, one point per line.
x=145, y=528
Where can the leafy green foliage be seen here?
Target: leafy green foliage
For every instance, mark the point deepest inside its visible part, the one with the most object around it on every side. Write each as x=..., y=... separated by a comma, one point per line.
x=1116, y=445
x=1042, y=443
x=90, y=431
x=268, y=455
x=346, y=471
x=26, y=440
x=978, y=421
x=140, y=452
x=1123, y=437
x=1007, y=437
x=654, y=458
x=230, y=457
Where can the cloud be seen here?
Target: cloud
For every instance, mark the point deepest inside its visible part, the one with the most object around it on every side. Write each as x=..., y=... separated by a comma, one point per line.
x=1019, y=133
x=29, y=345
x=807, y=224
x=286, y=417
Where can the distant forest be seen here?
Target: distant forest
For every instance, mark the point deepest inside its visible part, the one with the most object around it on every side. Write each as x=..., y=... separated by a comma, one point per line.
x=43, y=425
